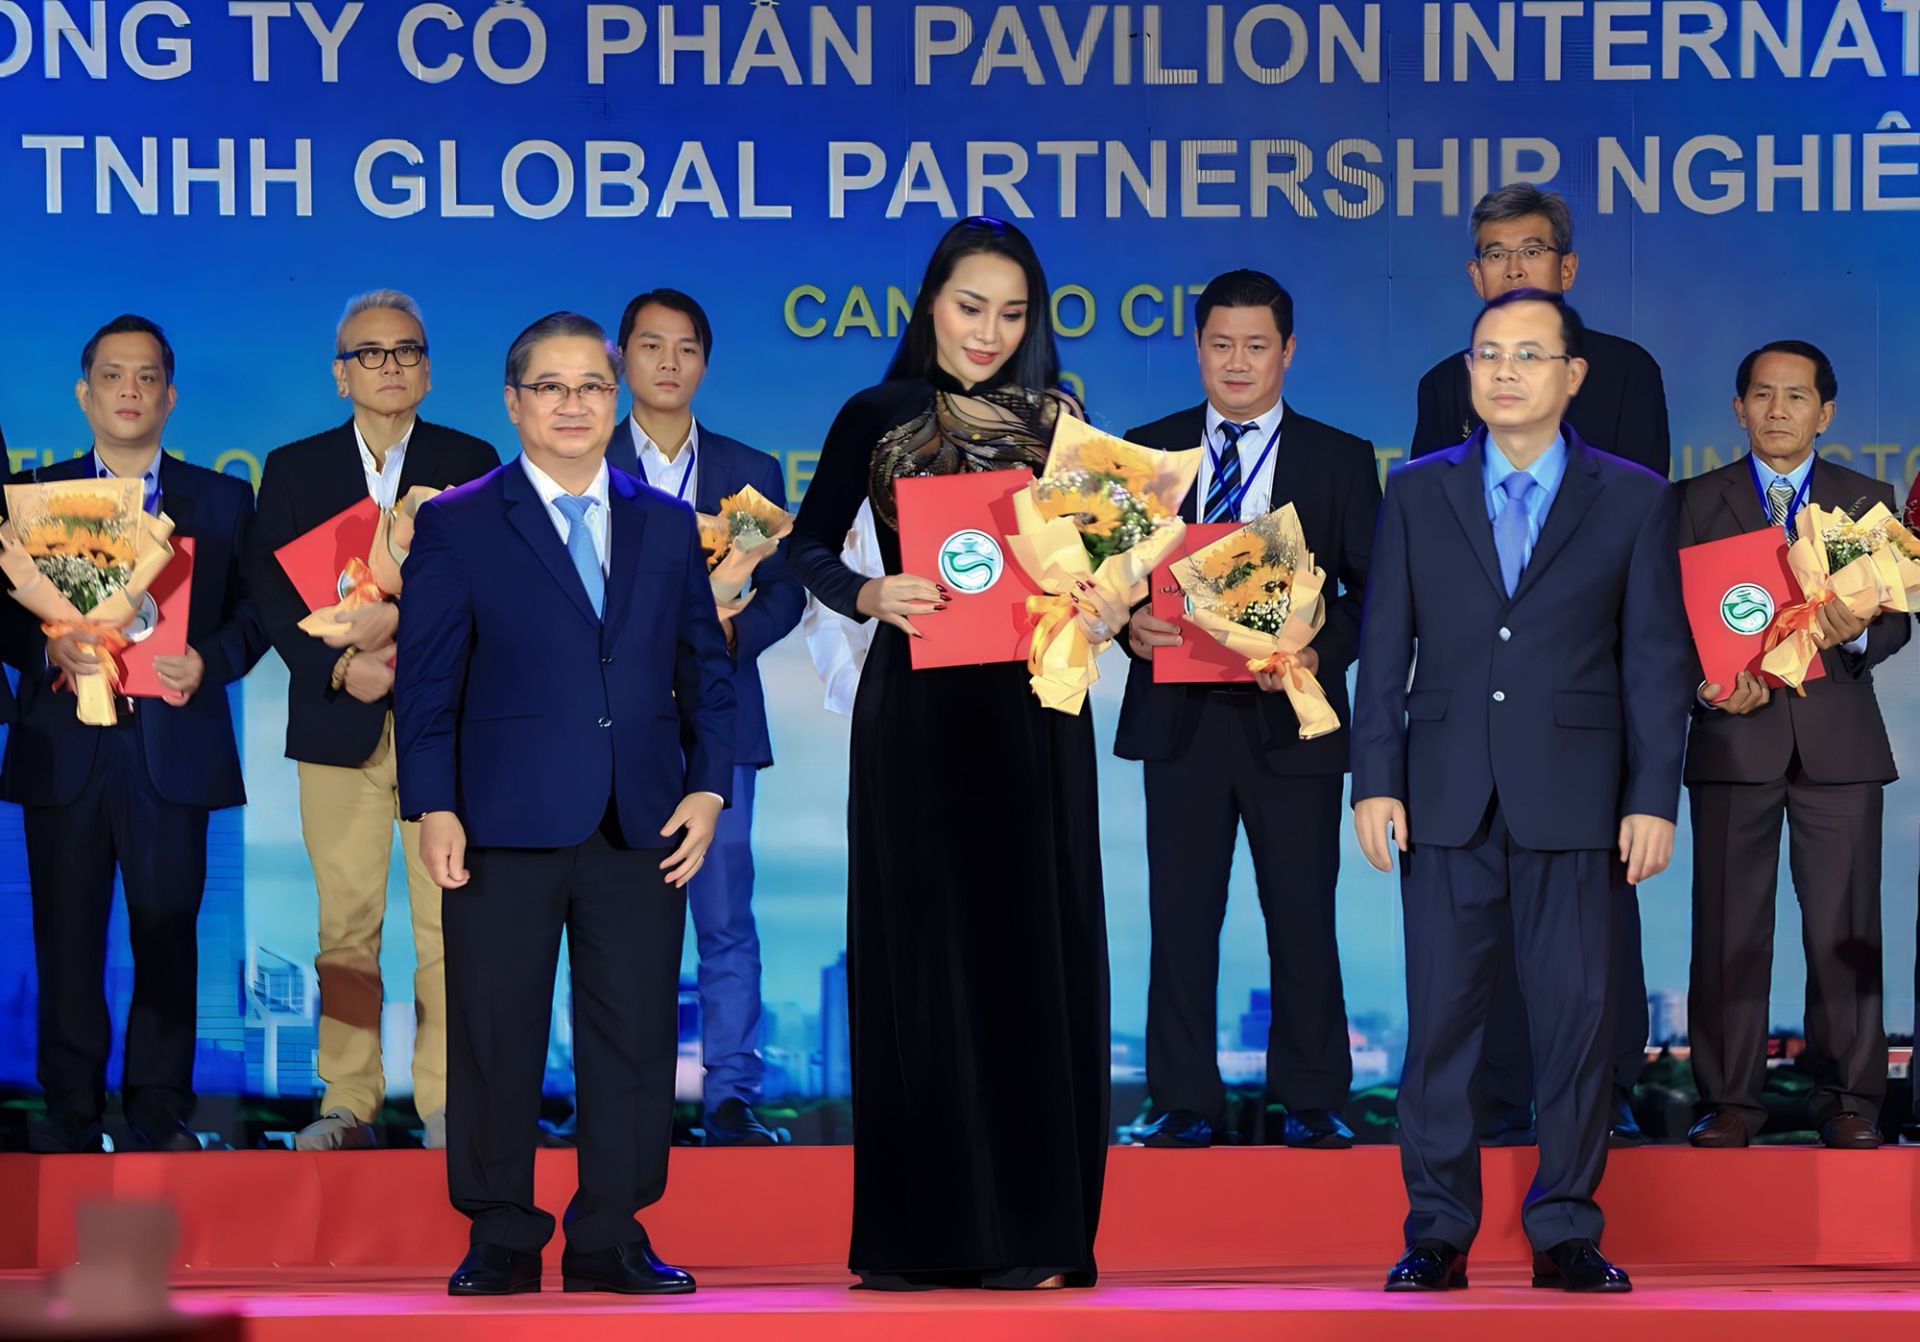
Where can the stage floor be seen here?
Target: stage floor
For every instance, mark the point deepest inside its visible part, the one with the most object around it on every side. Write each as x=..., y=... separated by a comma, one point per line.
x=802, y=1304
x=1253, y=1242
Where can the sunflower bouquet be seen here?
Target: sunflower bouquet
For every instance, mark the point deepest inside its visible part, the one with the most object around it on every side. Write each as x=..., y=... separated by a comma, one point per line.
x=1871, y=563
x=745, y=531
x=1259, y=593
x=1091, y=530
x=369, y=581
x=80, y=555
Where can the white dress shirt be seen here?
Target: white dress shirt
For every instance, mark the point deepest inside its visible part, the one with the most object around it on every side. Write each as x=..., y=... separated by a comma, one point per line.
x=1258, y=498
x=678, y=478
x=383, y=479
x=599, y=520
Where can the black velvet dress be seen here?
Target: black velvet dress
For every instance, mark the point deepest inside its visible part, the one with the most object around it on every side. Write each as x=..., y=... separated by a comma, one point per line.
x=976, y=924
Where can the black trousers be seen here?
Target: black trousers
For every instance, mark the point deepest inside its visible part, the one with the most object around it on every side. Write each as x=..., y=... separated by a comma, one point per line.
x=1195, y=805
x=1504, y=1084
x=1833, y=851
x=624, y=926
x=160, y=848
x=1462, y=906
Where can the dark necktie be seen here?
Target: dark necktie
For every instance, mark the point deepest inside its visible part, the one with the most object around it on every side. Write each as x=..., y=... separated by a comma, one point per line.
x=1224, y=494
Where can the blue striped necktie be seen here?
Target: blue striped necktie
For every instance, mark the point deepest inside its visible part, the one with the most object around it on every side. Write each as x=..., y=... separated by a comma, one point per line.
x=1224, y=494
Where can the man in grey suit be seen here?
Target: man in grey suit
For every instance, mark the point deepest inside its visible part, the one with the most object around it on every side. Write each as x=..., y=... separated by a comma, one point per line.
x=1822, y=761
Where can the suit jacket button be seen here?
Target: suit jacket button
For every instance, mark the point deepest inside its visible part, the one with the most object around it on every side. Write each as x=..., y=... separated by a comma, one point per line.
x=1505, y=634
x=1499, y=697
x=604, y=722
x=606, y=661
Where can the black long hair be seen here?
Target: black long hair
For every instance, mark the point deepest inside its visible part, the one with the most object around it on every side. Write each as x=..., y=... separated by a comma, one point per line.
x=1035, y=362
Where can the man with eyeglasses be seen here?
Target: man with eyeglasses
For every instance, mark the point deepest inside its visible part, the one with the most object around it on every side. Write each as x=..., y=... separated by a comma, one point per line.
x=666, y=340
x=564, y=726
x=1518, y=723
x=1523, y=239
x=340, y=713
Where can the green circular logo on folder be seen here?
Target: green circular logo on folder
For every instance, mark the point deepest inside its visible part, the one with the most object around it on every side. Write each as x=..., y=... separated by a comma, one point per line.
x=971, y=561
x=1747, y=608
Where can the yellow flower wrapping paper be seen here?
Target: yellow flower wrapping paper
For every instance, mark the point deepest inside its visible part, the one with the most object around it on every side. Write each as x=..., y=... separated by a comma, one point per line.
x=1088, y=603
x=45, y=521
x=743, y=533
x=1881, y=578
x=1222, y=579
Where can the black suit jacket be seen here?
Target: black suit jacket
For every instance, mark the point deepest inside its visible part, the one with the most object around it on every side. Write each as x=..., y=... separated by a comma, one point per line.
x=1837, y=727
x=1621, y=408
x=1332, y=481
x=192, y=756
x=302, y=485
x=726, y=465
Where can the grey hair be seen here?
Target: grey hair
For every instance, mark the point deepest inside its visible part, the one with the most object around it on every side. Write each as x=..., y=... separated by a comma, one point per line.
x=378, y=300
x=520, y=353
x=1518, y=200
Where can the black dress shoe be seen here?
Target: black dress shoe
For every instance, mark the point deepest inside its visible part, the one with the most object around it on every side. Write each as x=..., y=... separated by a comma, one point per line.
x=1578, y=1265
x=1719, y=1128
x=494, y=1269
x=1850, y=1132
x=164, y=1132
x=626, y=1269
x=733, y=1123
x=60, y=1135
x=1430, y=1265
x=1316, y=1130
x=1179, y=1128
x=1625, y=1130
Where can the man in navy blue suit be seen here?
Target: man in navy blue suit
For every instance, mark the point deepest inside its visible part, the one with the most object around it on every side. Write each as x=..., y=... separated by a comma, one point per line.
x=135, y=795
x=557, y=645
x=667, y=340
x=1527, y=584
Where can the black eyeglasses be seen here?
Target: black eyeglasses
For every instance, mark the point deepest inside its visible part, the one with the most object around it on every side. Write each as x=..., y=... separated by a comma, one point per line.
x=373, y=356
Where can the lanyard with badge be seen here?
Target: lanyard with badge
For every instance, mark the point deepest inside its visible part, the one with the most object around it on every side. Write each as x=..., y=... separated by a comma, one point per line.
x=1793, y=508
x=1240, y=495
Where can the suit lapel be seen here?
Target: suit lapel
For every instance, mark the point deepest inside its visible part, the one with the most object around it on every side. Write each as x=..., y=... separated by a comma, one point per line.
x=716, y=475
x=73, y=468
x=1579, y=487
x=530, y=518
x=1290, y=454
x=343, y=481
x=178, y=494
x=628, y=520
x=1465, y=490
x=422, y=464
x=1737, y=496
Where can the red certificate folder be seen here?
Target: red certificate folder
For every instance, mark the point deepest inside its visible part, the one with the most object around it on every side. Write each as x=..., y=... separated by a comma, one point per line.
x=317, y=560
x=954, y=529
x=1733, y=588
x=160, y=629
x=1201, y=658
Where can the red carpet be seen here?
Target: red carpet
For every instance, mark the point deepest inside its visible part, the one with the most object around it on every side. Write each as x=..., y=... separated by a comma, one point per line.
x=1222, y=1244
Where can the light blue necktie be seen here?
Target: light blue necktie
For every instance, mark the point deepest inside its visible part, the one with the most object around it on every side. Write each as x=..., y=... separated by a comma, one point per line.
x=580, y=547
x=1511, y=527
